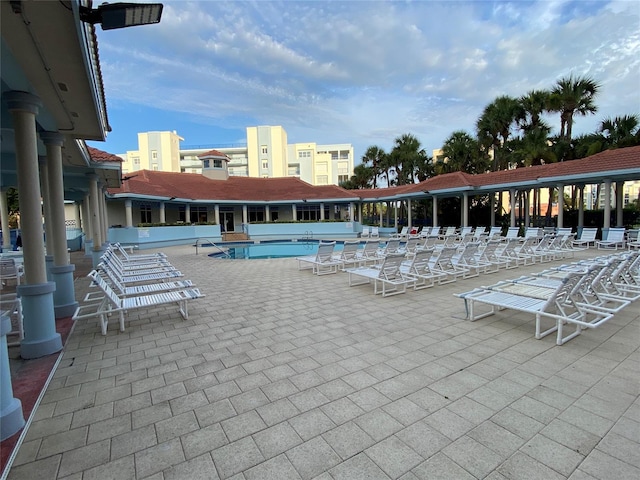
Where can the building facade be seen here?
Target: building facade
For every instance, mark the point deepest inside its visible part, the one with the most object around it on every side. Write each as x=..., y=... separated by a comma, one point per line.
x=267, y=154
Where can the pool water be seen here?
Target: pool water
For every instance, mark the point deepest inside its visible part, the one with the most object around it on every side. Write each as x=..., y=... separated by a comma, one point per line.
x=281, y=249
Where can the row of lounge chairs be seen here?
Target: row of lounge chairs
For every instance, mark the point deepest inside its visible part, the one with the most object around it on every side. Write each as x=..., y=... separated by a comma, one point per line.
x=584, y=295
x=128, y=282
x=417, y=263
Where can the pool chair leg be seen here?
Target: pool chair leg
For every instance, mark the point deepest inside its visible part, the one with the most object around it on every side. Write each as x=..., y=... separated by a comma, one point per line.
x=540, y=334
x=184, y=309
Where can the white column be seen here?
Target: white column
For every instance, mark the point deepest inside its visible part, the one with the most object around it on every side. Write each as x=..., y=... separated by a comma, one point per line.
x=560, y=206
x=245, y=214
x=128, y=213
x=187, y=213
x=619, y=204
x=54, y=142
x=465, y=209
x=94, y=206
x=294, y=212
x=62, y=271
x=434, y=212
x=360, y=212
x=351, y=211
x=409, y=217
x=41, y=337
x=4, y=220
x=512, y=202
x=163, y=213
x=216, y=213
x=103, y=213
x=580, y=208
x=46, y=206
x=267, y=213
x=607, y=204
x=76, y=214
x=527, y=215
x=321, y=211
x=492, y=204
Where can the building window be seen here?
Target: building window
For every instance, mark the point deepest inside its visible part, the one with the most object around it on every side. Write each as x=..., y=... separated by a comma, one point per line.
x=343, y=178
x=265, y=164
x=205, y=164
x=217, y=163
x=322, y=167
x=154, y=154
x=308, y=212
x=182, y=214
x=304, y=154
x=155, y=166
x=322, y=179
x=294, y=169
x=344, y=155
x=198, y=213
x=145, y=213
x=343, y=167
x=256, y=214
x=264, y=149
x=136, y=161
x=334, y=155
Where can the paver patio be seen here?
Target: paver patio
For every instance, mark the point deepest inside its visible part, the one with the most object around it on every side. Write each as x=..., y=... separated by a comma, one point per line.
x=282, y=374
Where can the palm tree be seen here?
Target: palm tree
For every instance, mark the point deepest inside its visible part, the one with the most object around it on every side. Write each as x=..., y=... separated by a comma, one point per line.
x=462, y=154
x=360, y=179
x=534, y=104
x=620, y=131
x=374, y=157
x=573, y=95
x=495, y=127
x=407, y=155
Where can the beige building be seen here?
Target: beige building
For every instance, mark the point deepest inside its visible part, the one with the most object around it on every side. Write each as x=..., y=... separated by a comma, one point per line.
x=156, y=151
x=267, y=154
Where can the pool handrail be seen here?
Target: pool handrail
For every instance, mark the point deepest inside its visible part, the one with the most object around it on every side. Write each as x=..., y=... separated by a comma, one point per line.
x=208, y=240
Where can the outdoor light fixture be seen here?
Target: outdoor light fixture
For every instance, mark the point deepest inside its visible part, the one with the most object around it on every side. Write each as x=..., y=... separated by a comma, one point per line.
x=121, y=15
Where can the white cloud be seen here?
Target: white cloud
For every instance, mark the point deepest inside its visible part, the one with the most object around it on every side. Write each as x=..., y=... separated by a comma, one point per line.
x=365, y=72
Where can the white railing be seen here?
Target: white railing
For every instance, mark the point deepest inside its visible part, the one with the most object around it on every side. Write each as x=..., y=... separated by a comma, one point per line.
x=200, y=241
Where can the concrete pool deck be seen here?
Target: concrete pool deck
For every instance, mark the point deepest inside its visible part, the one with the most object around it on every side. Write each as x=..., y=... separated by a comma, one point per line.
x=280, y=374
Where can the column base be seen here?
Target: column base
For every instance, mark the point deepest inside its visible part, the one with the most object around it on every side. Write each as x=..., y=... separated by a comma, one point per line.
x=88, y=248
x=96, y=257
x=48, y=261
x=40, y=336
x=64, y=298
x=11, y=419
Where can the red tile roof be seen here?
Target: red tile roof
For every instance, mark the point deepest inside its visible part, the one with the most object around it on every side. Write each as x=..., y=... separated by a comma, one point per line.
x=198, y=187
x=102, y=156
x=213, y=153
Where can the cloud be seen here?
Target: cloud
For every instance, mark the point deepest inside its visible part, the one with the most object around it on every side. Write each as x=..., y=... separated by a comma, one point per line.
x=365, y=72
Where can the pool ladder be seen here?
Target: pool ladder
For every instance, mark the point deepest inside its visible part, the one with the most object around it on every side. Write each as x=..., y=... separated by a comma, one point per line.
x=212, y=243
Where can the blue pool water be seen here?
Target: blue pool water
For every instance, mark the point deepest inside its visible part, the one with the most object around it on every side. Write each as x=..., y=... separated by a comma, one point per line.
x=280, y=249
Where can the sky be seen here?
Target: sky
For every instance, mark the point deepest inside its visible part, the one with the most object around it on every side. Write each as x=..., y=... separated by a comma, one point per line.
x=358, y=72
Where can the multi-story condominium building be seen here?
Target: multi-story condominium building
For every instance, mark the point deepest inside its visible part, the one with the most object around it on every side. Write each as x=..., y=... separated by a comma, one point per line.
x=156, y=151
x=267, y=154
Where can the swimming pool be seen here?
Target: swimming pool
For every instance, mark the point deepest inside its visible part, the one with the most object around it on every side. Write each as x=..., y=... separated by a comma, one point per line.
x=279, y=249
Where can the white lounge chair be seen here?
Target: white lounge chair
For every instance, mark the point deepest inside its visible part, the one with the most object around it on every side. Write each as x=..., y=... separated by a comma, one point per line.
x=404, y=232
x=10, y=270
x=140, y=276
x=349, y=255
x=113, y=303
x=323, y=262
x=554, y=304
x=615, y=238
x=587, y=238
x=419, y=268
x=365, y=232
x=387, y=277
x=512, y=232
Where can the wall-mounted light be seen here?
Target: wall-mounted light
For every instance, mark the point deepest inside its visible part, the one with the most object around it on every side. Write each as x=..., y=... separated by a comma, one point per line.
x=121, y=15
